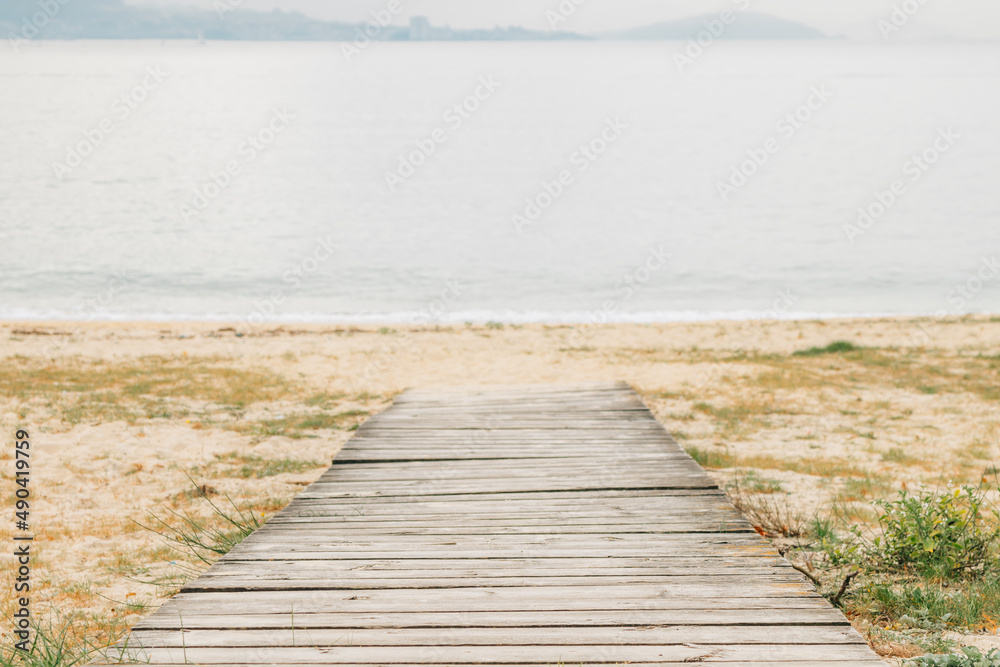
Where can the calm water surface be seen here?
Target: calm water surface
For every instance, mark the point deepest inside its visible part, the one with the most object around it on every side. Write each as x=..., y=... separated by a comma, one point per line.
x=148, y=180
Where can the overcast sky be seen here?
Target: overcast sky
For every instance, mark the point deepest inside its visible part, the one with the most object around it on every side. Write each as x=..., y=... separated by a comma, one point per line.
x=970, y=19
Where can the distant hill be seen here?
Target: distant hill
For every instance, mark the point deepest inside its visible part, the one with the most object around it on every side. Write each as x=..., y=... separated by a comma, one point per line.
x=113, y=19
x=746, y=25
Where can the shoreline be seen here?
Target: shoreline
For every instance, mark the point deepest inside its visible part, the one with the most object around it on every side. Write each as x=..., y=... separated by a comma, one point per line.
x=480, y=318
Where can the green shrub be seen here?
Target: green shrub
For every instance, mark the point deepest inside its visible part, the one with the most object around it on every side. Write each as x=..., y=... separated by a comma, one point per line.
x=833, y=348
x=972, y=657
x=933, y=534
x=839, y=550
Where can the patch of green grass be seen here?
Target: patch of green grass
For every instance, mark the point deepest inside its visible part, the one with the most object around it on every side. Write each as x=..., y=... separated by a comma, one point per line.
x=163, y=377
x=837, y=347
x=822, y=529
x=848, y=366
x=256, y=467
x=974, y=605
x=968, y=657
x=88, y=410
x=976, y=453
x=300, y=426
x=898, y=455
x=81, y=391
x=741, y=419
x=325, y=400
x=720, y=459
x=59, y=640
x=751, y=482
x=495, y=325
x=352, y=413
x=50, y=647
x=792, y=378
x=713, y=459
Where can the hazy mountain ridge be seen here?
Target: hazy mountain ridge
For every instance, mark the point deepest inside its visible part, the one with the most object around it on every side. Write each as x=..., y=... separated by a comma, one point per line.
x=113, y=19
x=743, y=25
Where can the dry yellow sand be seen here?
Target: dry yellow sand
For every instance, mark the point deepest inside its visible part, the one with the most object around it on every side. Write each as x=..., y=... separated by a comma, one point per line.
x=122, y=414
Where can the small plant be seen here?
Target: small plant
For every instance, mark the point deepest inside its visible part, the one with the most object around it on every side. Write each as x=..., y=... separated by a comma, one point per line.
x=50, y=647
x=494, y=325
x=840, y=550
x=769, y=513
x=823, y=530
x=198, y=537
x=62, y=641
x=935, y=534
x=837, y=347
x=970, y=657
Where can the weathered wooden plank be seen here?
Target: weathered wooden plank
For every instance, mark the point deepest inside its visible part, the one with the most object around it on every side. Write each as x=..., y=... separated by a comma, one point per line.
x=522, y=520
x=507, y=655
x=463, y=428
x=764, y=583
x=457, y=553
x=450, y=601
x=542, y=439
x=602, y=636
x=757, y=663
x=526, y=565
x=301, y=519
x=475, y=570
x=293, y=530
x=523, y=619
x=626, y=464
x=444, y=456
x=460, y=519
x=325, y=538
x=467, y=487
x=640, y=596
x=262, y=573
x=593, y=477
x=504, y=468
x=636, y=500
x=297, y=531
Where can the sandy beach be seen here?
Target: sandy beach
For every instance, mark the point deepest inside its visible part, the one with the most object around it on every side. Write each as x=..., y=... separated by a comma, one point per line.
x=124, y=416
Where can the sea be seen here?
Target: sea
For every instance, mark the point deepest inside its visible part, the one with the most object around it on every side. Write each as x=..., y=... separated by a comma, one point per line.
x=574, y=182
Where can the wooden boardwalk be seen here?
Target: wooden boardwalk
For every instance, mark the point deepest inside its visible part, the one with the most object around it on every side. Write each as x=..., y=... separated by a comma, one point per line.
x=542, y=526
